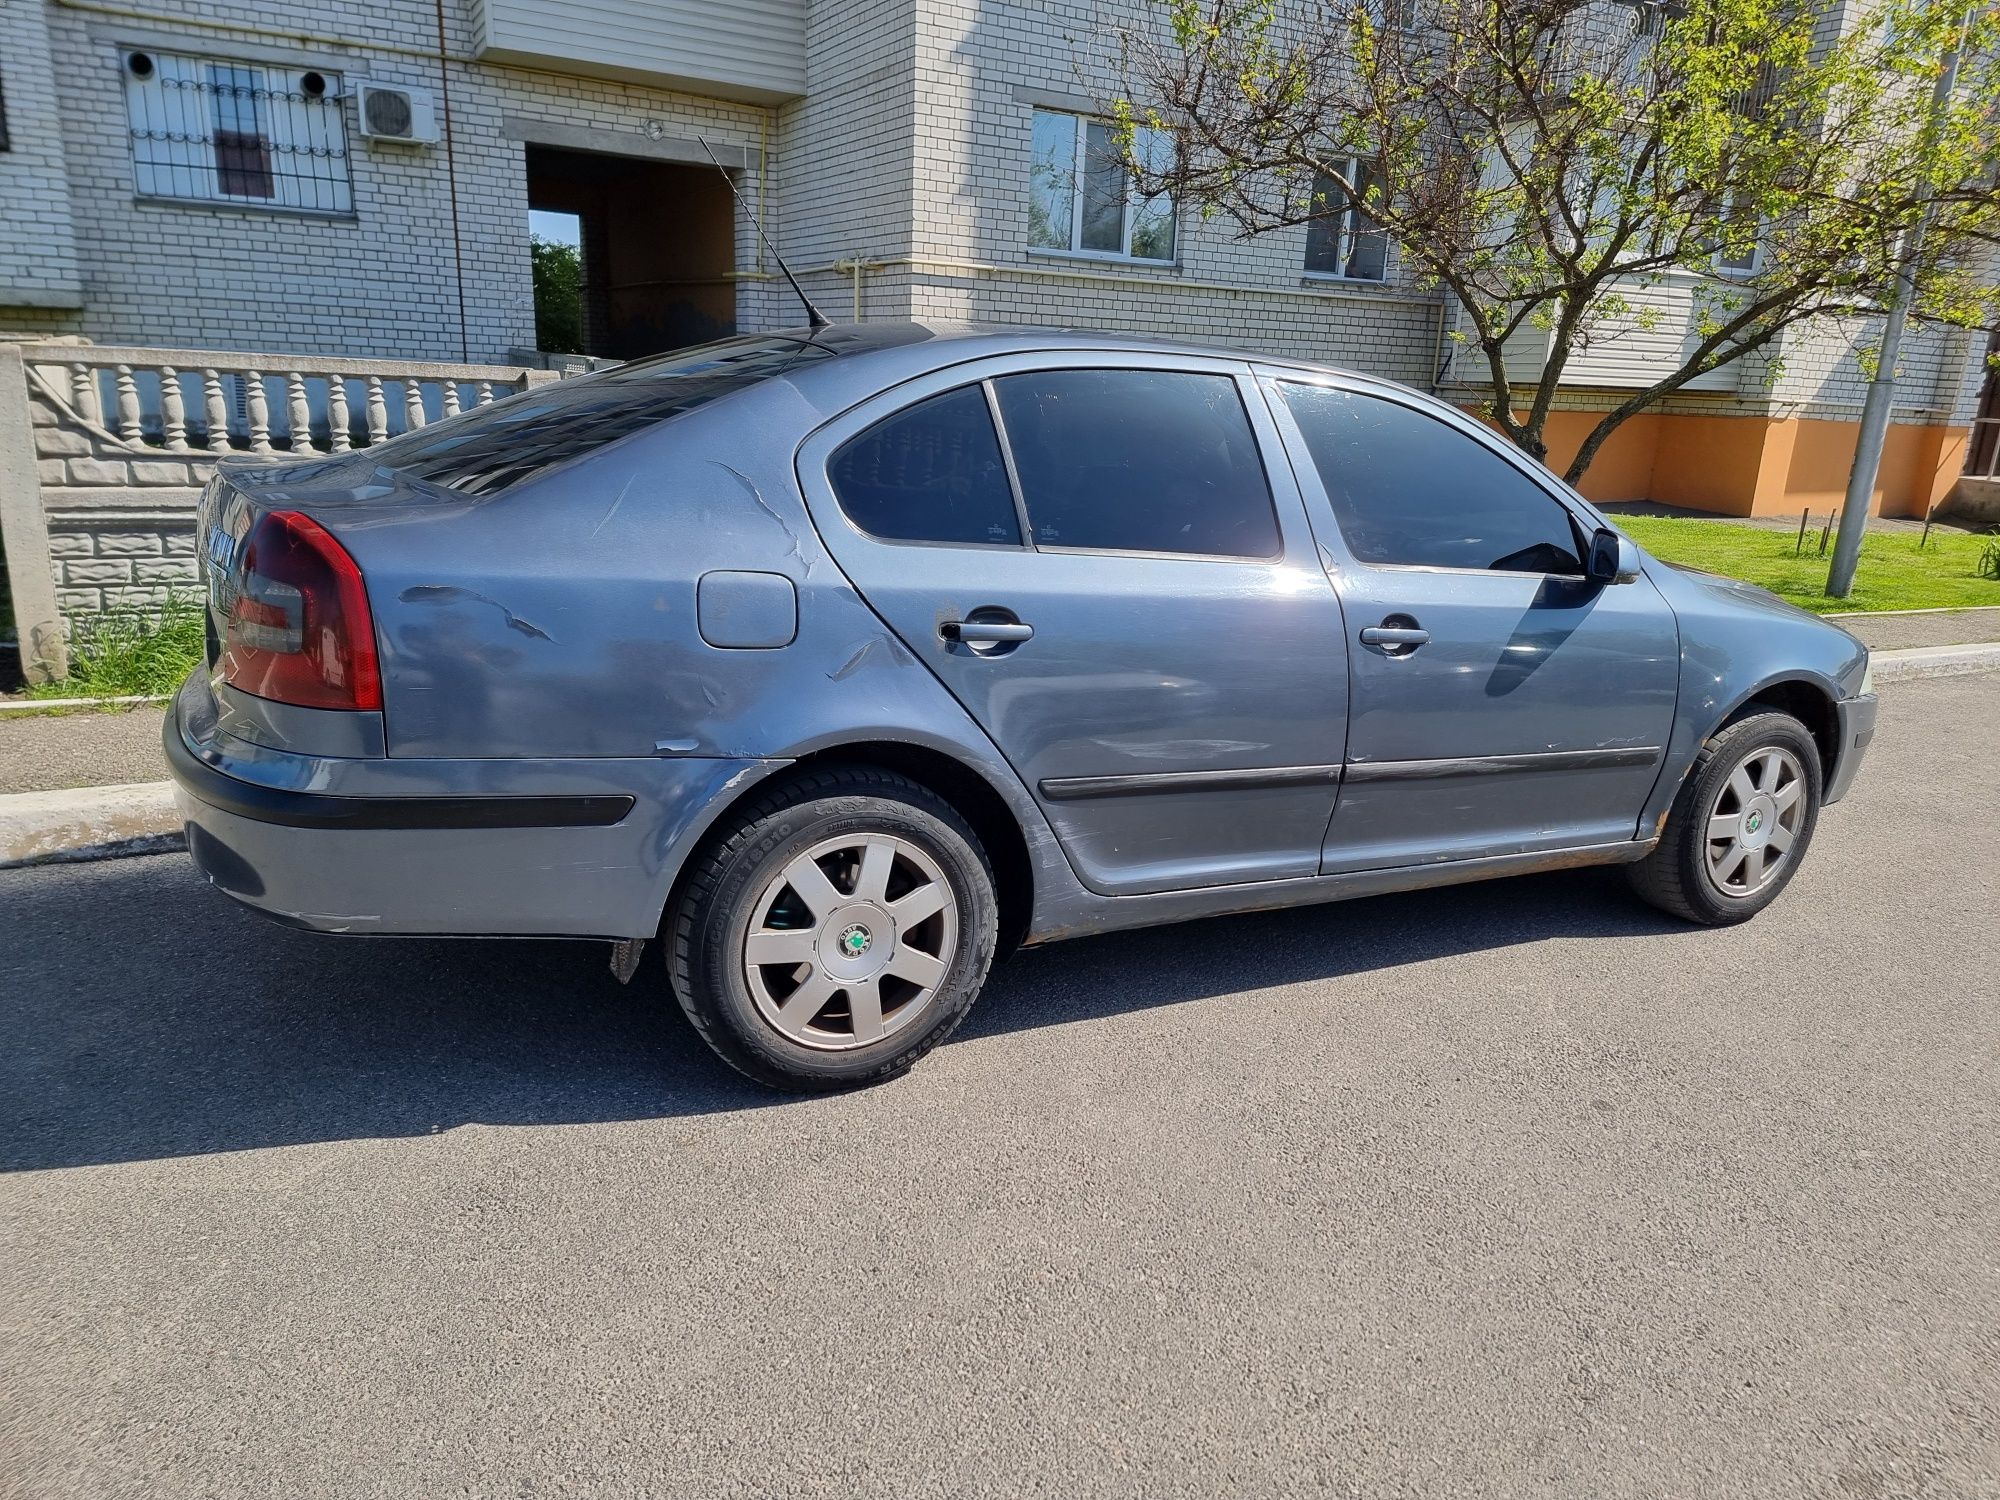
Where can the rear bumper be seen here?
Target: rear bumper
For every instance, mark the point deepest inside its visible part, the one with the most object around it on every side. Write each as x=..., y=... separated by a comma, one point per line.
x=570, y=848
x=1857, y=729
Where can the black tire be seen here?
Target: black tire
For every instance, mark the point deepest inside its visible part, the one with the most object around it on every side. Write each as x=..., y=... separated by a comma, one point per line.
x=709, y=924
x=1676, y=877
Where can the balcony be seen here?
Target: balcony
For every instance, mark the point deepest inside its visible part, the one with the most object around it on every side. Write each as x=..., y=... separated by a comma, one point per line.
x=752, y=50
x=1629, y=352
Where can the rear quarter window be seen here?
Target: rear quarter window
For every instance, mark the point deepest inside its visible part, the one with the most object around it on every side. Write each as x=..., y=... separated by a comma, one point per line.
x=930, y=473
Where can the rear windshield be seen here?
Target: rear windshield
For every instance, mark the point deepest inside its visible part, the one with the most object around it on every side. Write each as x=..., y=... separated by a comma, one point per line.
x=494, y=447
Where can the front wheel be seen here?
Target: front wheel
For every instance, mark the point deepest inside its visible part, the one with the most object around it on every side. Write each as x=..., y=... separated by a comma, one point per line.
x=837, y=932
x=1739, y=829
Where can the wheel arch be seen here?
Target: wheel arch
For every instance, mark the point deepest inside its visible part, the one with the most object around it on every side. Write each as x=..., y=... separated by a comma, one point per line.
x=968, y=789
x=1802, y=697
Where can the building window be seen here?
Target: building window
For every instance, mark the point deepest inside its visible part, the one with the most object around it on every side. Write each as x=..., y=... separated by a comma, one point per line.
x=1341, y=242
x=1080, y=198
x=1739, y=254
x=212, y=131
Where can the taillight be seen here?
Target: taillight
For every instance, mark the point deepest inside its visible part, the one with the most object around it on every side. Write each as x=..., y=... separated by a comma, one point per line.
x=299, y=630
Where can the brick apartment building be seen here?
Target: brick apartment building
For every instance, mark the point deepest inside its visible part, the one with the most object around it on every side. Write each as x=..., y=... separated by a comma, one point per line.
x=355, y=178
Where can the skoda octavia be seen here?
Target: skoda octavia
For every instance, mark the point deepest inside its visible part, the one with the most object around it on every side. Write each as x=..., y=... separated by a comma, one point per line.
x=841, y=661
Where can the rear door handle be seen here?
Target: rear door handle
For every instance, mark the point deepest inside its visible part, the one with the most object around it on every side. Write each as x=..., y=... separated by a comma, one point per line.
x=1407, y=636
x=985, y=631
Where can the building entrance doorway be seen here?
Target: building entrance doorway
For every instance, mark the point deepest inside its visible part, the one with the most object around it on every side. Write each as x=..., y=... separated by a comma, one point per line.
x=656, y=247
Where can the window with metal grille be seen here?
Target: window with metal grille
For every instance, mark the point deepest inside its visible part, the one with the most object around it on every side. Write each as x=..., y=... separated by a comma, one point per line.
x=209, y=130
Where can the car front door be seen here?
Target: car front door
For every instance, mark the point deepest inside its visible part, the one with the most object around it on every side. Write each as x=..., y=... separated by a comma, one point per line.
x=1501, y=703
x=1093, y=555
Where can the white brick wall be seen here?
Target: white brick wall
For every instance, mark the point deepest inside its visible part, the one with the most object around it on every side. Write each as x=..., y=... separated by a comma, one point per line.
x=380, y=284
x=1822, y=376
x=909, y=150
x=38, y=263
x=981, y=67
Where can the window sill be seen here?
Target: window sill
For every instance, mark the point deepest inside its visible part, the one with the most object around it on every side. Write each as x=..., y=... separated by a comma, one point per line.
x=1101, y=258
x=248, y=206
x=1334, y=278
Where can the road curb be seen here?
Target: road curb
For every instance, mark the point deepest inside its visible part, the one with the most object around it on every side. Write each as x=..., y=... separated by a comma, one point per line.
x=92, y=822
x=1934, y=661
x=26, y=707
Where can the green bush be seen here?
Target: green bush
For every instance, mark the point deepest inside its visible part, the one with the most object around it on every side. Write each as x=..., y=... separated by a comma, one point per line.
x=558, y=296
x=128, y=653
x=1989, y=559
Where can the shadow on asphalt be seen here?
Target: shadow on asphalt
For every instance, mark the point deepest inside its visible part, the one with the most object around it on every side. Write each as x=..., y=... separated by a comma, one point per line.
x=143, y=1015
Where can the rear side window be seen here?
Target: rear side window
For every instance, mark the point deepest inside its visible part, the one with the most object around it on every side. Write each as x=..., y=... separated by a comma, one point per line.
x=1409, y=489
x=930, y=473
x=1138, y=461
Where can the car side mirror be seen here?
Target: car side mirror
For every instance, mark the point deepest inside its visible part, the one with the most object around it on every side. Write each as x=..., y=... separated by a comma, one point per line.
x=1612, y=558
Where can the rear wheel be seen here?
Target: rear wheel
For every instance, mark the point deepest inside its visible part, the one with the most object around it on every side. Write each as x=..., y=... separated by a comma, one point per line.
x=1739, y=829
x=838, y=931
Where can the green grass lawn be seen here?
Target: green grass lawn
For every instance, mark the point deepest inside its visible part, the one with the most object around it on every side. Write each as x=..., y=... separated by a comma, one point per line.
x=1893, y=573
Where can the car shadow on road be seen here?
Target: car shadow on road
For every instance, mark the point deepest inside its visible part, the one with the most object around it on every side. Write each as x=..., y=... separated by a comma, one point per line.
x=144, y=1016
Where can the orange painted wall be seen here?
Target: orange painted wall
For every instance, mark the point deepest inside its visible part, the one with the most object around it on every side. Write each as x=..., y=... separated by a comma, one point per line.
x=1623, y=468
x=1756, y=466
x=1711, y=463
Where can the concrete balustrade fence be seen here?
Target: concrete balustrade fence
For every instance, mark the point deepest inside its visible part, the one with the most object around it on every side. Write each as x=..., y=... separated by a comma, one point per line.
x=104, y=452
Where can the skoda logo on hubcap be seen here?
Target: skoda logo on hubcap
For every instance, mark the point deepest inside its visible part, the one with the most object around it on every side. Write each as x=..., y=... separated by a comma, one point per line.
x=1754, y=822
x=856, y=941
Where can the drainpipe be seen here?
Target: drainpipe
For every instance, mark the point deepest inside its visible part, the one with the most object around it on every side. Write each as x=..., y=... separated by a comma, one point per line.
x=1437, y=344
x=451, y=179
x=857, y=266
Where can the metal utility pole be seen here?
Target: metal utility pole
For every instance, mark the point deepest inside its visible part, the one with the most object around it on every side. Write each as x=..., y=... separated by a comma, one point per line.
x=1882, y=389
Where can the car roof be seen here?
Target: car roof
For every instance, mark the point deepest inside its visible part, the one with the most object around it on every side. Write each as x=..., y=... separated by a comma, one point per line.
x=881, y=354
x=834, y=367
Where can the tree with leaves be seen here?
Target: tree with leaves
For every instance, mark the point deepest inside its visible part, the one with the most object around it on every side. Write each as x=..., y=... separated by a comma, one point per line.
x=558, y=296
x=1548, y=162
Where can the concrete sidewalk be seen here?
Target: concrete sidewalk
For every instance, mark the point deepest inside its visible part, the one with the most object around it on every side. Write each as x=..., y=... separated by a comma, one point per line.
x=1906, y=630
x=59, y=823
x=81, y=748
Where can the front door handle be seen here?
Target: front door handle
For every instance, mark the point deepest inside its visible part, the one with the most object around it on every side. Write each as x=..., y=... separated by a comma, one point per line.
x=986, y=632
x=1410, y=636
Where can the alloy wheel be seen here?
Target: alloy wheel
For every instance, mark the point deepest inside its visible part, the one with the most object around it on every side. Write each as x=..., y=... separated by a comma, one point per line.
x=849, y=943
x=1755, y=821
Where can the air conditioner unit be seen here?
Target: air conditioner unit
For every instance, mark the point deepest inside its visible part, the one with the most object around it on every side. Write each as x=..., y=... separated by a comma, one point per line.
x=391, y=112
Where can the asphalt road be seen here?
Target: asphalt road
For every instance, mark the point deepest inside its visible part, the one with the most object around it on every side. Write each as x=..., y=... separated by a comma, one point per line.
x=1517, y=1190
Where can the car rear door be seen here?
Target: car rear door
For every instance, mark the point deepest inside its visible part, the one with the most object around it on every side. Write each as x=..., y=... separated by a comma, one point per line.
x=1094, y=556
x=1500, y=702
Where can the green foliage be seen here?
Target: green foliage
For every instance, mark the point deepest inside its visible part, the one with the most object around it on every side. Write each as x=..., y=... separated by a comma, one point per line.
x=1989, y=560
x=558, y=296
x=127, y=653
x=1895, y=573
x=1550, y=162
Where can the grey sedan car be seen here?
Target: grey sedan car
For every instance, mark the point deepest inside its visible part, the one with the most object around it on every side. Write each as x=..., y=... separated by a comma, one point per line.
x=843, y=660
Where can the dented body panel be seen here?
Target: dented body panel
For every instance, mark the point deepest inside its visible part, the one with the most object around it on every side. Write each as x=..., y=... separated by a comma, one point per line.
x=677, y=613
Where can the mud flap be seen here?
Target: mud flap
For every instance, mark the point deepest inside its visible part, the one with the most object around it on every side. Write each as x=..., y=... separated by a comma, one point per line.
x=625, y=955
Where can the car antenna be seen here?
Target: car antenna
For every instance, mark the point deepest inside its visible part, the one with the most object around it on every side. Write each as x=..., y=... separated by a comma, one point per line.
x=814, y=317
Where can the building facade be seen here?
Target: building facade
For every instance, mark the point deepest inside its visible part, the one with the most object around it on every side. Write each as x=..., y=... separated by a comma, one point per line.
x=356, y=179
